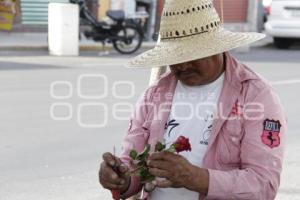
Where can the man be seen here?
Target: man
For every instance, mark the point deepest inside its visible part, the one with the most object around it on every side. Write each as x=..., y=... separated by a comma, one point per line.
x=232, y=117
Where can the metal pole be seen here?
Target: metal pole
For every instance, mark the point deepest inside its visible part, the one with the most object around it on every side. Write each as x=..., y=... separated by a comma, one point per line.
x=156, y=72
x=151, y=27
x=252, y=15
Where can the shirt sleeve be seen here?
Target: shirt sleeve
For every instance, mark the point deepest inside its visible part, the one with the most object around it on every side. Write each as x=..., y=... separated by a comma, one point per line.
x=262, y=151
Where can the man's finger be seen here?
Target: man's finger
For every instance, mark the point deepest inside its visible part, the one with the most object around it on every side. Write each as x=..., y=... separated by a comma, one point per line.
x=160, y=164
x=112, y=186
x=162, y=183
x=123, y=168
x=163, y=156
x=113, y=161
x=107, y=174
x=109, y=158
x=119, y=181
x=159, y=173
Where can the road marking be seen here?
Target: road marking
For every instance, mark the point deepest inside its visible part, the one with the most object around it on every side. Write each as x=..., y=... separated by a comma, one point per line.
x=285, y=82
x=101, y=64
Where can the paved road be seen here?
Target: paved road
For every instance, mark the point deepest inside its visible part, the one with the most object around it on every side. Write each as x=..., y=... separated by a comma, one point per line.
x=44, y=158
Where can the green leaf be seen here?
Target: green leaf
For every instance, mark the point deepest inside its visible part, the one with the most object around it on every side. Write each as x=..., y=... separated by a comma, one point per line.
x=145, y=153
x=133, y=154
x=150, y=178
x=142, y=163
x=160, y=146
x=143, y=173
x=146, y=176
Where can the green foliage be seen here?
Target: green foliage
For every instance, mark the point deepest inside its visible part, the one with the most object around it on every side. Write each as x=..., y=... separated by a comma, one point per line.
x=145, y=175
x=133, y=154
x=160, y=146
x=139, y=160
x=145, y=153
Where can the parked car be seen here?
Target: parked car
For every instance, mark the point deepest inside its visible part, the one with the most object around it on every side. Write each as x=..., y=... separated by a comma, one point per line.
x=284, y=22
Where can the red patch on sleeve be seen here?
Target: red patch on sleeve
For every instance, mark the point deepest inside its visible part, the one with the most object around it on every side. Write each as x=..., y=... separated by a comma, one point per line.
x=271, y=131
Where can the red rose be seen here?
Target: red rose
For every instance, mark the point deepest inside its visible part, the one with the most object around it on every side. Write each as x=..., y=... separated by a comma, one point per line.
x=182, y=144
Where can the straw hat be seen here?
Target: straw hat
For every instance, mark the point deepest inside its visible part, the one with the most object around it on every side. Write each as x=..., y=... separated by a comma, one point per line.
x=190, y=30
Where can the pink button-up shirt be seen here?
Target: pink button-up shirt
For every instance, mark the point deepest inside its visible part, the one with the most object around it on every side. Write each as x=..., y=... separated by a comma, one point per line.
x=246, y=147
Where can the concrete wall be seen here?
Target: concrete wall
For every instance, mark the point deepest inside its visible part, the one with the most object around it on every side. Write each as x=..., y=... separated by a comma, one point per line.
x=103, y=8
x=235, y=11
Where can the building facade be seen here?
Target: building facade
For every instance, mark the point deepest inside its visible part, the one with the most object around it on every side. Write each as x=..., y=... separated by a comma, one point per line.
x=238, y=15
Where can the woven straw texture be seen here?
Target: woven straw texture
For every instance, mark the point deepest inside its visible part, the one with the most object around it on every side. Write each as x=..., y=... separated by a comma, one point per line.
x=190, y=30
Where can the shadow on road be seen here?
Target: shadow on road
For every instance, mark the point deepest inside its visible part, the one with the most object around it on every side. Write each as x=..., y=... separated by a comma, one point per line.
x=24, y=66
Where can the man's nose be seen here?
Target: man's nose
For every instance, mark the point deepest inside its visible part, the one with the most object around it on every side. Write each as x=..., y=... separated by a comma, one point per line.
x=183, y=66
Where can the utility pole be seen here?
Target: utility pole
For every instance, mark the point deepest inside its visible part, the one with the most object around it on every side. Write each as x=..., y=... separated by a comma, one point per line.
x=252, y=18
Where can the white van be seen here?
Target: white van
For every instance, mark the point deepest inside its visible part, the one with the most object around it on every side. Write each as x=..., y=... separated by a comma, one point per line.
x=284, y=22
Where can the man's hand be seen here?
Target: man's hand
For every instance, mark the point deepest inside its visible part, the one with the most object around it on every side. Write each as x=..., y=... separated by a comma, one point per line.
x=111, y=173
x=178, y=172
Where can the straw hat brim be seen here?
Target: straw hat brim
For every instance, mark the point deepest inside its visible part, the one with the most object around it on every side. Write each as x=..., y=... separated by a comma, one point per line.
x=193, y=48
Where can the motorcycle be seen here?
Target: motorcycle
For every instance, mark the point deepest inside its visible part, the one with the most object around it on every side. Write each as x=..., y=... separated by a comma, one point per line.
x=126, y=35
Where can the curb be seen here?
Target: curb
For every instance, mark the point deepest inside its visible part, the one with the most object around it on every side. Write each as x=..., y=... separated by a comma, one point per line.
x=24, y=48
x=81, y=48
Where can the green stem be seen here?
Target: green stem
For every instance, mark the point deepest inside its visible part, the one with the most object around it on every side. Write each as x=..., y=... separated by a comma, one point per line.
x=132, y=172
x=171, y=149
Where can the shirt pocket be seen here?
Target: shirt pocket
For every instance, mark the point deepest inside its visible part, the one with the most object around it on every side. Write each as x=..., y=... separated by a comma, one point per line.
x=229, y=143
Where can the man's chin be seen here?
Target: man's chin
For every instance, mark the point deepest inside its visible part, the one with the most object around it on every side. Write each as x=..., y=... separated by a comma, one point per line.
x=189, y=82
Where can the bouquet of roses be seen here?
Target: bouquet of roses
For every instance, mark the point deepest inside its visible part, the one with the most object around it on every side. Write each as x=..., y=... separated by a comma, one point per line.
x=139, y=162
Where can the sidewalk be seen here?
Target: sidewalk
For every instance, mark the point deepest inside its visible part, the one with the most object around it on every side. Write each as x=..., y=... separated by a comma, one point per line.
x=38, y=41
